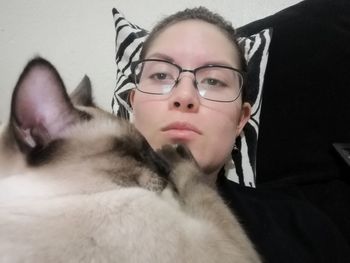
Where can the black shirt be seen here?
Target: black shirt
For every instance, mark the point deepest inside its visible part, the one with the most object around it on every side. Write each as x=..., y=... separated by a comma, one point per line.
x=283, y=225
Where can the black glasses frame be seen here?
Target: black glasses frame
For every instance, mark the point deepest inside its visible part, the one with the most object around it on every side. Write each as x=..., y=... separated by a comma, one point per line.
x=181, y=70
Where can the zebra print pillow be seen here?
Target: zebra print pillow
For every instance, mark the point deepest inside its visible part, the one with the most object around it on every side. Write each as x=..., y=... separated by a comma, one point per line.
x=129, y=41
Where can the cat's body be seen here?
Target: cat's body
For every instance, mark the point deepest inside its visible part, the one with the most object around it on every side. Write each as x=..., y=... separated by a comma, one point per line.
x=79, y=185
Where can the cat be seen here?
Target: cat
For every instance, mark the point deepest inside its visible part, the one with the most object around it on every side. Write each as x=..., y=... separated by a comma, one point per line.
x=78, y=184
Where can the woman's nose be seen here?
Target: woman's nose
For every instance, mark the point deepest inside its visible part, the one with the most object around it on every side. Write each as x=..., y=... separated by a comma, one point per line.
x=184, y=95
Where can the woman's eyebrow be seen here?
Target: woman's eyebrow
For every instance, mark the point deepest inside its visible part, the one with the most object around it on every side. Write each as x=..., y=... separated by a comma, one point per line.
x=163, y=56
x=219, y=62
x=160, y=56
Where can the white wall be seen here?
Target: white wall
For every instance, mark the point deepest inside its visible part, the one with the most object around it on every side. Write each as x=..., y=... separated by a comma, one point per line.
x=77, y=36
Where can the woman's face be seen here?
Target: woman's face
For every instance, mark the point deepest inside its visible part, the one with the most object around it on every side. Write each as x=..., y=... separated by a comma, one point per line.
x=208, y=128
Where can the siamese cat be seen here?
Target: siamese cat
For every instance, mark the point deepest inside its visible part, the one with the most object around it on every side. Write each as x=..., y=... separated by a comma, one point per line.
x=77, y=184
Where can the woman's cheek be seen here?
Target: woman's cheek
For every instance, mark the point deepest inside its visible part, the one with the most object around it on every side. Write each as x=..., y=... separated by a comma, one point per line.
x=212, y=151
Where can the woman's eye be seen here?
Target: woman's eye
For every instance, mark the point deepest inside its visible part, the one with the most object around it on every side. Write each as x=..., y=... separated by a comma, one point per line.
x=213, y=82
x=159, y=76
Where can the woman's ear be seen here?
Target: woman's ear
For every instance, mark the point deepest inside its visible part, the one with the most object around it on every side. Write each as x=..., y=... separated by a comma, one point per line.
x=245, y=115
x=131, y=97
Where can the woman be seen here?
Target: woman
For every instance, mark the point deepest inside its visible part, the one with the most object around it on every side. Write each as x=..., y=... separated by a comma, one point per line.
x=190, y=90
x=203, y=110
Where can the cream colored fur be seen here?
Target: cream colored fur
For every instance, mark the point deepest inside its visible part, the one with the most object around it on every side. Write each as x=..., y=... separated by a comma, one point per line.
x=78, y=206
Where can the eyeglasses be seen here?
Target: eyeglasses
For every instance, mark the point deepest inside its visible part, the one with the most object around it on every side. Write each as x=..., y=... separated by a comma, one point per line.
x=213, y=82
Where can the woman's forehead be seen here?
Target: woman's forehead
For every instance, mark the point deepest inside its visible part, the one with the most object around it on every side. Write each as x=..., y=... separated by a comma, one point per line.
x=194, y=41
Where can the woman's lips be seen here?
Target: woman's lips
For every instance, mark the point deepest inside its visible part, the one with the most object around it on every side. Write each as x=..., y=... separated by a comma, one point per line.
x=181, y=131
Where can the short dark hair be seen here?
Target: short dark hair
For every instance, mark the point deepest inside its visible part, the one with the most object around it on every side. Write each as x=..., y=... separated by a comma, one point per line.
x=203, y=14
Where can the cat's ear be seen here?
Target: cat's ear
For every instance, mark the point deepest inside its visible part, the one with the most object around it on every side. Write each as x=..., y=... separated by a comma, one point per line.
x=82, y=95
x=40, y=108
